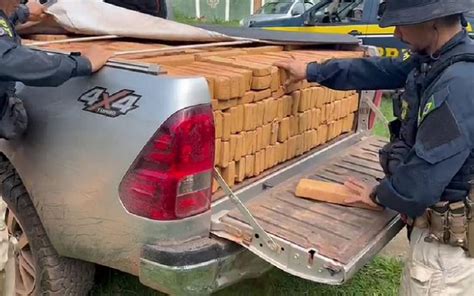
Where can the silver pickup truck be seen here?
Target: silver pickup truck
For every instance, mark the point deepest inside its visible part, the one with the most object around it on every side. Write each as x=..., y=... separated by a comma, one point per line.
x=97, y=150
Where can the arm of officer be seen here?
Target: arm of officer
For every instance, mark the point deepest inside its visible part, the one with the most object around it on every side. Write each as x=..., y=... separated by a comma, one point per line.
x=361, y=74
x=35, y=68
x=442, y=146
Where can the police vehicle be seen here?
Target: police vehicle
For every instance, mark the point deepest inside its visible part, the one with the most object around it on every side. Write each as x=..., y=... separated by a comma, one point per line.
x=356, y=17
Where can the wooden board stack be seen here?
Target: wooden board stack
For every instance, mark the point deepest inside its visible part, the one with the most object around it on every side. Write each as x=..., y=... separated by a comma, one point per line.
x=259, y=122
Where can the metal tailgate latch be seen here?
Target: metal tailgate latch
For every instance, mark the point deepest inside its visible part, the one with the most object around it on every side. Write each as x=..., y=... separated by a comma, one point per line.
x=269, y=241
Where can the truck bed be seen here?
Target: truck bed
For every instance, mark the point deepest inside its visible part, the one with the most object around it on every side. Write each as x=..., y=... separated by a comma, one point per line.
x=328, y=237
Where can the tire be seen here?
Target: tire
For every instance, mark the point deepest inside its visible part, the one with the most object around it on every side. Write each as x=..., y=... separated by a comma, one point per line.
x=55, y=275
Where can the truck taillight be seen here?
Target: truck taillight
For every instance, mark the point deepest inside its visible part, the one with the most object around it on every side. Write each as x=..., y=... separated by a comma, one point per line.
x=171, y=178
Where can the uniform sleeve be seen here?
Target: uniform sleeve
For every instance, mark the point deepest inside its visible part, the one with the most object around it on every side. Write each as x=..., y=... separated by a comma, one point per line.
x=35, y=68
x=21, y=15
x=361, y=74
x=442, y=147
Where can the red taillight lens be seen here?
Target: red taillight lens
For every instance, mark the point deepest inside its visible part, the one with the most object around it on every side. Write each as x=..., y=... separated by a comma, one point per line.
x=171, y=178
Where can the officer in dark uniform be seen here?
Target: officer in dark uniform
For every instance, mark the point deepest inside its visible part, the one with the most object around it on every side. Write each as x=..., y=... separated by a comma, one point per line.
x=152, y=7
x=33, y=68
x=429, y=161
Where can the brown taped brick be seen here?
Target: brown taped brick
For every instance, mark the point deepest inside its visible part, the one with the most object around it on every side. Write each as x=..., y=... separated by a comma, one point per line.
x=239, y=147
x=221, y=85
x=237, y=81
x=246, y=74
x=337, y=109
x=299, y=145
x=233, y=147
x=224, y=105
x=294, y=125
x=280, y=92
x=237, y=114
x=274, y=137
x=214, y=104
x=301, y=123
x=260, y=113
x=261, y=82
x=263, y=49
x=249, y=97
x=291, y=152
x=240, y=170
x=249, y=111
x=305, y=100
x=296, y=96
x=284, y=130
x=249, y=166
x=263, y=94
x=323, y=133
x=257, y=69
x=229, y=174
x=267, y=116
x=259, y=138
x=293, y=87
x=284, y=152
x=327, y=192
x=218, y=123
x=217, y=155
x=324, y=118
x=258, y=162
x=348, y=123
x=224, y=53
x=355, y=103
x=319, y=97
x=262, y=160
x=286, y=105
x=275, y=82
x=338, y=127
x=226, y=126
x=314, y=141
x=225, y=154
x=267, y=134
x=249, y=142
x=172, y=60
x=279, y=107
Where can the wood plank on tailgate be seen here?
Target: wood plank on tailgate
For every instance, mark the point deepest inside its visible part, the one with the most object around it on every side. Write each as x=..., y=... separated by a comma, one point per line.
x=336, y=232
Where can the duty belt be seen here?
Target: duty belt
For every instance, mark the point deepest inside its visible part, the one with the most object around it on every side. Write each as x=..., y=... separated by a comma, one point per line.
x=450, y=223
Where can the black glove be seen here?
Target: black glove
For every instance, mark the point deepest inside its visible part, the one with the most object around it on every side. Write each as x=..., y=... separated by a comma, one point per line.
x=392, y=155
x=14, y=120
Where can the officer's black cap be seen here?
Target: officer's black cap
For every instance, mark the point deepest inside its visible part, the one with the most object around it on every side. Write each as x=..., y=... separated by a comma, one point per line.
x=411, y=12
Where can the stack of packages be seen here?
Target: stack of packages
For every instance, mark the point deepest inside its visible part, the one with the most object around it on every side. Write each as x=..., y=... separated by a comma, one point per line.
x=259, y=122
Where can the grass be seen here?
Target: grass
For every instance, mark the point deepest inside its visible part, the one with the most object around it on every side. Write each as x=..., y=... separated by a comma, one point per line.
x=380, y=128
x=203, y=21
x=381, y=277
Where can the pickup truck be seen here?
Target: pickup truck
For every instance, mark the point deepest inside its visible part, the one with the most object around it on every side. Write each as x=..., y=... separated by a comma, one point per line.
x=115, y=170
x=359, y=18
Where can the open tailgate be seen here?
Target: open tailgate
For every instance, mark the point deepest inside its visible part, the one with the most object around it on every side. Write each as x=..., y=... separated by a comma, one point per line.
x=317, y=241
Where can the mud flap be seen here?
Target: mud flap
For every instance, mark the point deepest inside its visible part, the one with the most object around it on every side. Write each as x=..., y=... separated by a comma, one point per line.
x=319, y=242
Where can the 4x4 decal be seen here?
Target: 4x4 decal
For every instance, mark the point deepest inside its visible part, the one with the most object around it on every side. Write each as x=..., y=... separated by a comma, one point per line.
x=98, y=100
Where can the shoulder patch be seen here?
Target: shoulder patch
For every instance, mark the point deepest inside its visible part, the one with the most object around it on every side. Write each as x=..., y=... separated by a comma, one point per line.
x=440, y=137
x=5, y=28
x=433, y=102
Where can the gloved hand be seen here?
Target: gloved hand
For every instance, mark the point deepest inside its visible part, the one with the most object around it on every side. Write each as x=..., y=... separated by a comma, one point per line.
x=392, y=155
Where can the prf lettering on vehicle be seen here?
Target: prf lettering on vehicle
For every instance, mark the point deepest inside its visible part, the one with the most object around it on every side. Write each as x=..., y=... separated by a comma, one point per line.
x=98, y=100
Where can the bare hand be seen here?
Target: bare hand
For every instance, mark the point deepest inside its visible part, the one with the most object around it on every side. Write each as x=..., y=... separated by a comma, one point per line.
x=296, y=70
x=362, y=192
x=97, y=56
x=37, y=11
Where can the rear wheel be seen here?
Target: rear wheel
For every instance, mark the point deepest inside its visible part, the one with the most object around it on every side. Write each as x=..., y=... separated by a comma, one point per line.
x=35, y=266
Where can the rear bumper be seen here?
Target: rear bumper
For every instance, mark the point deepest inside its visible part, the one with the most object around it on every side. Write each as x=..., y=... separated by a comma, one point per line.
x=198, y=267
